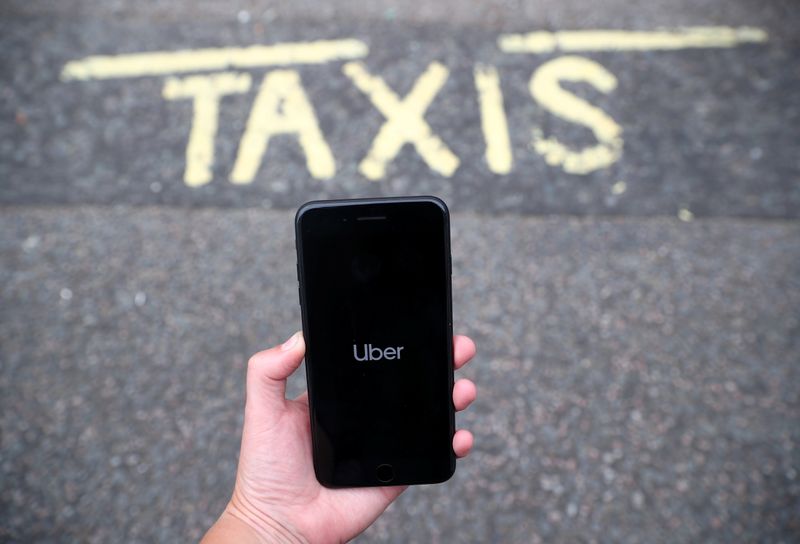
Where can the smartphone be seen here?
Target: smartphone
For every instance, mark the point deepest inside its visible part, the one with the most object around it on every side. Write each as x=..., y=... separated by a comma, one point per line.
x=375, y=294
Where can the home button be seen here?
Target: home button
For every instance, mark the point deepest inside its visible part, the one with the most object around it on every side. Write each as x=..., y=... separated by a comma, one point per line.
x=385, y=473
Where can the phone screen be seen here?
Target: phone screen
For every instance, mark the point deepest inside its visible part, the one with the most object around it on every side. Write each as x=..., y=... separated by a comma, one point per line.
x=376, y=296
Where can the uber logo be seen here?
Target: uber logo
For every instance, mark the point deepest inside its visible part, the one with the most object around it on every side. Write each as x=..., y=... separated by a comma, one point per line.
x=371, y=353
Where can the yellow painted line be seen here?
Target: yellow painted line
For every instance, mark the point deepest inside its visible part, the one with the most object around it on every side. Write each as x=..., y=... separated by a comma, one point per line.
x=405, y=121
x=545, y=86
x=224, y=58
x=206, y=92
x=493, y=119
x=630, y=40
x=282, y=107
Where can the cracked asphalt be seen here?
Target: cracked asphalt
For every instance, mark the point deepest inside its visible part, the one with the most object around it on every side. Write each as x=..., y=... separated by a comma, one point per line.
x=637, y=326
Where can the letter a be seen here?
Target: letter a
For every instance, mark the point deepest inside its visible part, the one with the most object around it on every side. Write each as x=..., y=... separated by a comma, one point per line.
x=282, y=107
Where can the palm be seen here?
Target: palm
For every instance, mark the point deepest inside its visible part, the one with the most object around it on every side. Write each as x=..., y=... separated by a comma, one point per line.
x=276, y=488
x=280, y=482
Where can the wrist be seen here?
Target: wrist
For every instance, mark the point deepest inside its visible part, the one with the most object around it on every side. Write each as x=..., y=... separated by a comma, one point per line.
x=265, y=528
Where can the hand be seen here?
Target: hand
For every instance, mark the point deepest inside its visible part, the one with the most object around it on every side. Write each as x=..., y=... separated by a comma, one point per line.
x=277, y=497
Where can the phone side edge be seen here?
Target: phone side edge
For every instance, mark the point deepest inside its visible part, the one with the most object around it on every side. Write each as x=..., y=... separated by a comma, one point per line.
x=301, y=212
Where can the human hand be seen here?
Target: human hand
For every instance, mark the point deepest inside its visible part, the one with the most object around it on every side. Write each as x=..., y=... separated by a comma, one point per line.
x=277, y=498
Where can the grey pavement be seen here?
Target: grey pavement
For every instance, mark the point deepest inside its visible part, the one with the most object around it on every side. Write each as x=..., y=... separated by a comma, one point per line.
x=634, y=386
x=638, y=326
x=708, y=130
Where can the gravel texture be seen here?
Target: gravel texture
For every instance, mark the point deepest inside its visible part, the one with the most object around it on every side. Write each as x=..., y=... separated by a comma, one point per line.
x=638, y=327
x=638, y=377
x=712, y=131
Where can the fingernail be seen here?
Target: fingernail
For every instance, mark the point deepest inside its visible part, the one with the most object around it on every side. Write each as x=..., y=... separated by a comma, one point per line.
x=291, y=342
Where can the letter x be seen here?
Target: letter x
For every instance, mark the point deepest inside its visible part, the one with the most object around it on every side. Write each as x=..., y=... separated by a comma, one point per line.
x=404, y=121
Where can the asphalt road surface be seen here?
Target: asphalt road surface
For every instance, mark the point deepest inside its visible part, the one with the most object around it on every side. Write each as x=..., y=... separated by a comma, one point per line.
x=625, y=188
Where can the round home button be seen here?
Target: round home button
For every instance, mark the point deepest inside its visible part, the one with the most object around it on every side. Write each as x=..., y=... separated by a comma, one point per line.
x=385, y=473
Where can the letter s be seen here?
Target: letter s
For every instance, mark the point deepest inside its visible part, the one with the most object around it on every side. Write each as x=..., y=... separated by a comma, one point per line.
x=547, y=91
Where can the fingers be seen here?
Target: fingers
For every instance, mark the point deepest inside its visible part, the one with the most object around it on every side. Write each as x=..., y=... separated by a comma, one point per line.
x=464, y=394
x=275, y=365
x=462, y=443
x=463, y=350
x=267, y=371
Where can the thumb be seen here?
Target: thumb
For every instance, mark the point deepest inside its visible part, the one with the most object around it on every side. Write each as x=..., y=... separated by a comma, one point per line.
x=267, y=372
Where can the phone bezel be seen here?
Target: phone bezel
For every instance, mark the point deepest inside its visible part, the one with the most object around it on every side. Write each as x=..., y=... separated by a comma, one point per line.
x=365, y=207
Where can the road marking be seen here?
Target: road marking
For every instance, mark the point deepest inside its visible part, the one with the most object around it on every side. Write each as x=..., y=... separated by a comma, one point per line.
x=627, y=40
x=282, y=107
x=404, y=121
x=545, y=86
x=493, y=119
x=618, y=188
x=222, y=58
x=206, y=92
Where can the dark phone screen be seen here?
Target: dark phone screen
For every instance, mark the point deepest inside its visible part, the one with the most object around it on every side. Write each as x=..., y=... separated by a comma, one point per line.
x=376, y=290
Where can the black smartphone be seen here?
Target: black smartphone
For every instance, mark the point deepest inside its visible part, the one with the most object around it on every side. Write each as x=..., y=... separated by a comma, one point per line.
x=374, y=279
